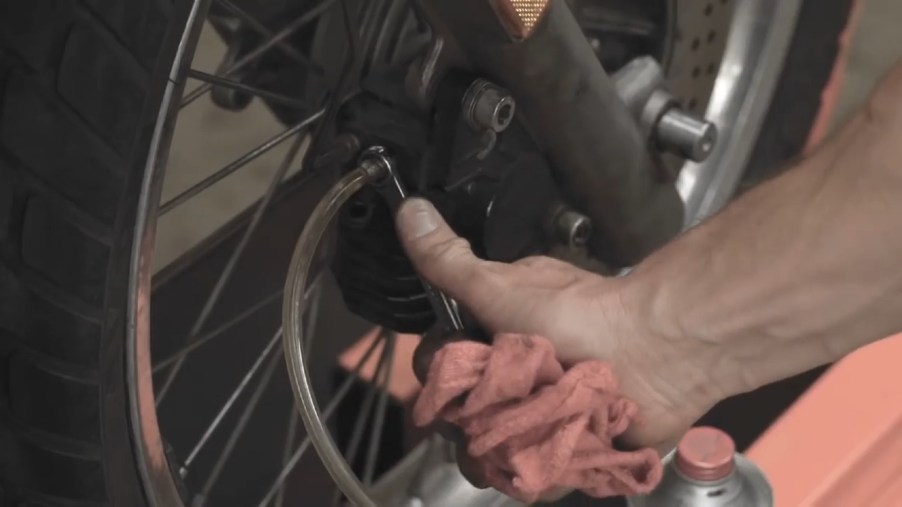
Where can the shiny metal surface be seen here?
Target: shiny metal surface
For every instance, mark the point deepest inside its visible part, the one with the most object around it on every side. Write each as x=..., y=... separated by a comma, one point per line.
x=443, y=485
x=428, y=477
x=641, y=85
x=685, y=135
x=693, y=60
x=756, y=49
x=636, y=81
x=705, y=454
x=160, y=486
x=746, y=486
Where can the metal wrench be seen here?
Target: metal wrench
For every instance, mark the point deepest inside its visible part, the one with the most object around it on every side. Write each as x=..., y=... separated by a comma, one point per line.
x=376, y=158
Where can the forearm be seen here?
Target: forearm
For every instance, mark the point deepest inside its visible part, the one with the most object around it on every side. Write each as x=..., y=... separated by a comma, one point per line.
x=798, y=272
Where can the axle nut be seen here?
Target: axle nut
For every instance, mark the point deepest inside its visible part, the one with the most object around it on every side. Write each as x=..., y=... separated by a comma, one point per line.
x=686, y=135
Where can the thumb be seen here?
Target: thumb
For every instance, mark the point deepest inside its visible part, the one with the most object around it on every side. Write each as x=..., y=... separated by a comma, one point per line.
x=442, y=257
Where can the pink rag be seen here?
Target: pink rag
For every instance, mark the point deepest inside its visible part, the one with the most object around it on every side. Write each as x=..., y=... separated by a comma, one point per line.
x=533, y=425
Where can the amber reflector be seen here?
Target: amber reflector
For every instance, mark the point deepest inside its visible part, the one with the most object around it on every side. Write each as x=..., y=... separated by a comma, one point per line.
x=520, y=16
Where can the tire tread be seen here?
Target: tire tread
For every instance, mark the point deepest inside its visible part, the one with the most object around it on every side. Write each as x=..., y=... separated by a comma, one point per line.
x=74, y=82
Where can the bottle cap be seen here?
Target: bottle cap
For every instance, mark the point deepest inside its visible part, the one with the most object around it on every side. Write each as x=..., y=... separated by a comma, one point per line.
x=705, y=454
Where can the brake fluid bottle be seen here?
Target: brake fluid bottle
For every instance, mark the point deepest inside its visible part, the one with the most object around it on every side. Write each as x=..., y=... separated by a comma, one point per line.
x=706, y=471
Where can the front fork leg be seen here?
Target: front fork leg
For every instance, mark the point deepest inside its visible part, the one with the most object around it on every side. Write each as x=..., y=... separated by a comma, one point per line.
x=601, y=158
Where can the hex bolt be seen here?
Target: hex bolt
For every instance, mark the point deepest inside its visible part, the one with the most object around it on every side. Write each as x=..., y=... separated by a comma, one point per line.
x=573, y=228
x=486, y=106
x=376, y=162
x=685, y=135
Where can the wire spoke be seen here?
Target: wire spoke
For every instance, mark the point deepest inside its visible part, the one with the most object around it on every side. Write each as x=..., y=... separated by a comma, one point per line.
x=240, y=162
x=238, y=431
x=217, y=332
x=290, y=435
x=251, y=56
x=340, y=394
x=362, y=417
x=375, y=435
x=312, y=296
x=209, y=336
x=226, y=274
x=258, y=27
x=227, y=406
x=253, y=90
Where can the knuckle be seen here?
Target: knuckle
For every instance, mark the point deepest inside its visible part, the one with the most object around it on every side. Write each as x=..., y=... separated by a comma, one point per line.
x=456, y=247
x=449, y=250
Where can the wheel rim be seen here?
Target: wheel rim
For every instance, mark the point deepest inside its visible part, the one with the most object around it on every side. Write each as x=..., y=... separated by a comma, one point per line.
x=742, y=94
x=743, y=87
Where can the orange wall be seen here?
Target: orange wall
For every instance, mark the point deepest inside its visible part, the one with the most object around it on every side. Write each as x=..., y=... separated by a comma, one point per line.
x=841, y=443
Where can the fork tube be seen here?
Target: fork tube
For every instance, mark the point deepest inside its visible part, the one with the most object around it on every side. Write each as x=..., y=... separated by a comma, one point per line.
x=572, y=109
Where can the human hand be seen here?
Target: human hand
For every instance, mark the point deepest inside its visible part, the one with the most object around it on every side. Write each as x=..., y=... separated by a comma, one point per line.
x=583, y=314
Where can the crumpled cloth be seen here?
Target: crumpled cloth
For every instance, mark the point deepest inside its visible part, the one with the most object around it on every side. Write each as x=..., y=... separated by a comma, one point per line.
x=533, y=425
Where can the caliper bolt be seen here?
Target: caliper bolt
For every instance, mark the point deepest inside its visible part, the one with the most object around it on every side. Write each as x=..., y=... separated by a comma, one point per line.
x=486, y=106
x=572, y=227
x=685, y=135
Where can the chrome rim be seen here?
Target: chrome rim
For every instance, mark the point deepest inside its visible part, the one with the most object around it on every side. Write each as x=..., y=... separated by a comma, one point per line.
x=751, y=62
x=756, y=49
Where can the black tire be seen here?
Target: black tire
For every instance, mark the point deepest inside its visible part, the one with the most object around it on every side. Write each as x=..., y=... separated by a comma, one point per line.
x=80, y=85
x=797, y=98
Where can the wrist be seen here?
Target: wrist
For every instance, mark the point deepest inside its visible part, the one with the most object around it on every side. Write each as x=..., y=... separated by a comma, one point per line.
x=684, y=360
